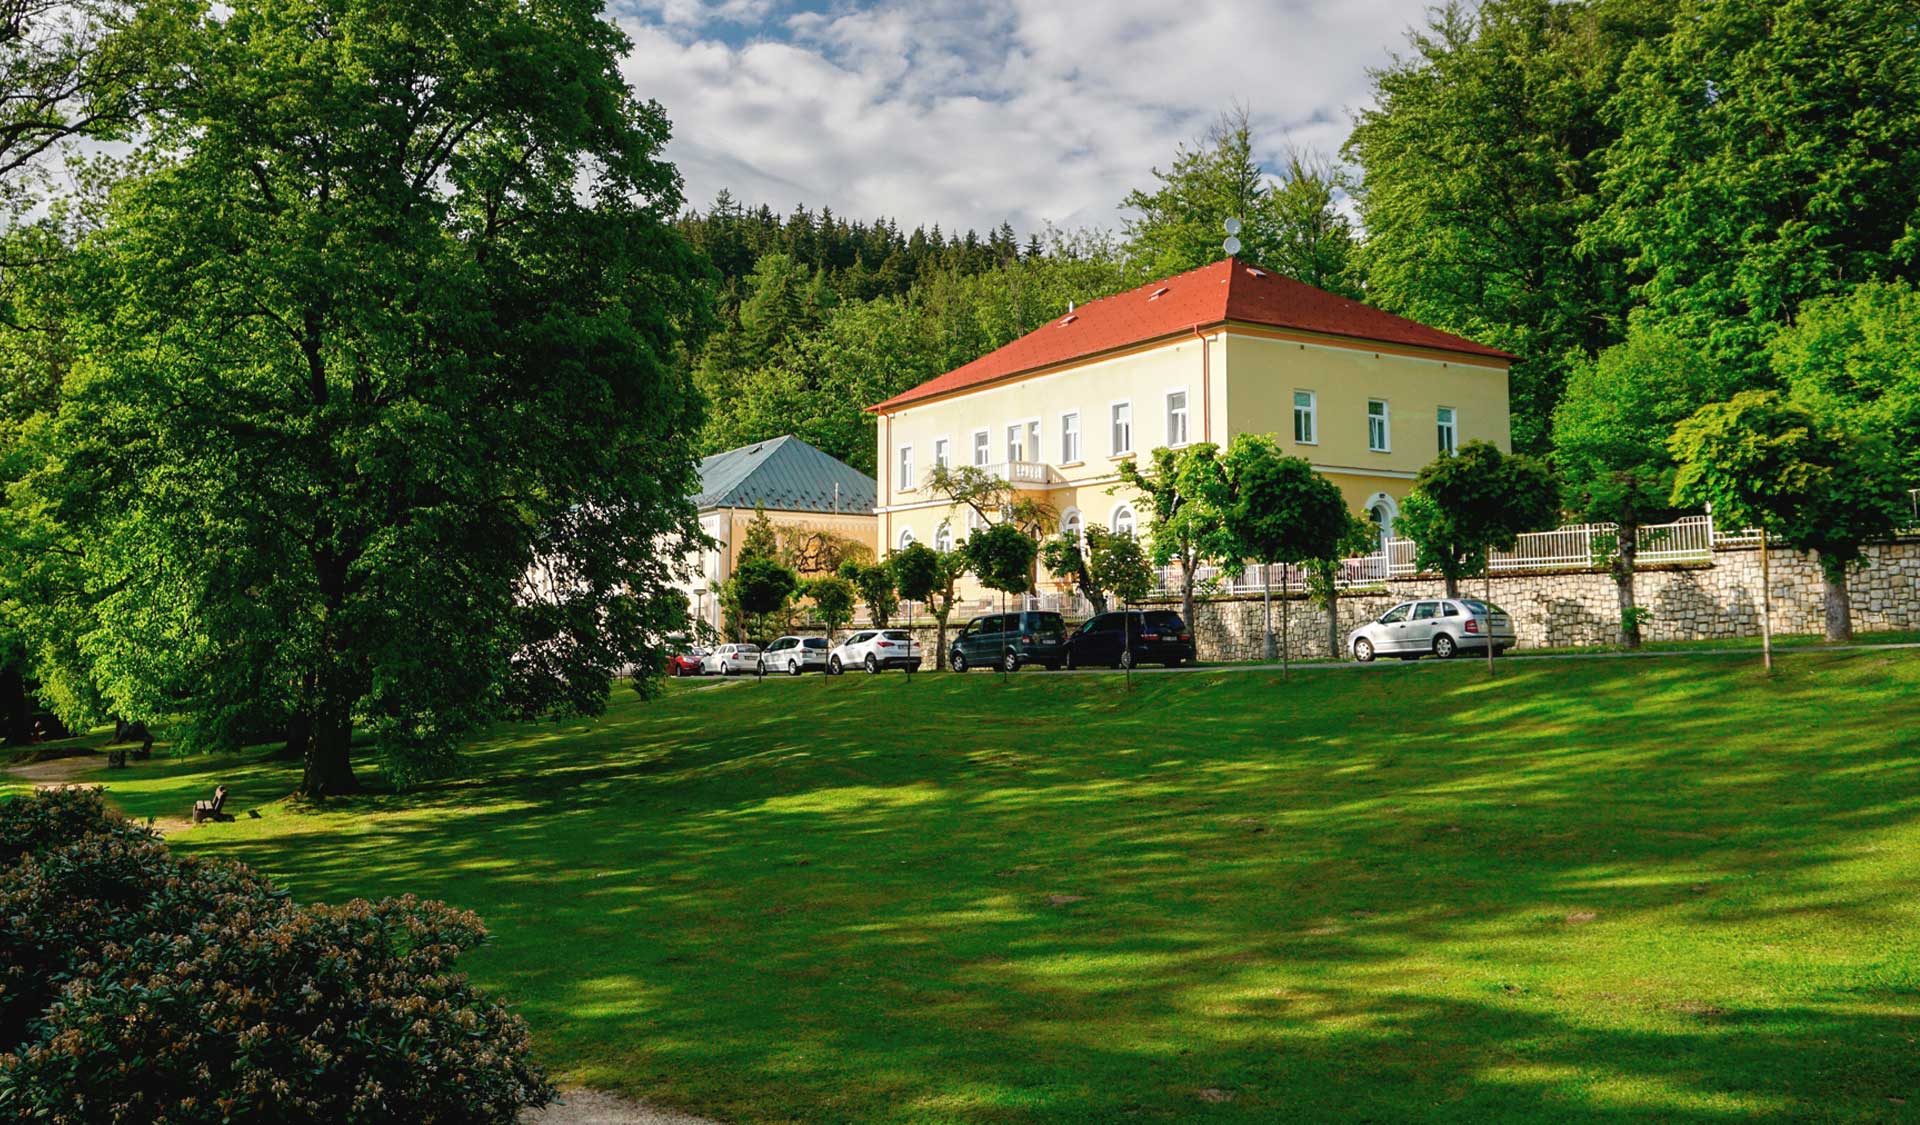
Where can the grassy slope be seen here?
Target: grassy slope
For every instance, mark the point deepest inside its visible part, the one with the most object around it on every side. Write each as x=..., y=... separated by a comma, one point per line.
x=1611, y=889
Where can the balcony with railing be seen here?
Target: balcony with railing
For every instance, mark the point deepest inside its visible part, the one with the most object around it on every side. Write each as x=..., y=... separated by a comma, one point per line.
x=1025, y=474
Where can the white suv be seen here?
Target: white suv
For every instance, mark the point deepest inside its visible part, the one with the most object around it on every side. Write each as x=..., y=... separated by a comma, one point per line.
x=794, y=655
x=876, y=650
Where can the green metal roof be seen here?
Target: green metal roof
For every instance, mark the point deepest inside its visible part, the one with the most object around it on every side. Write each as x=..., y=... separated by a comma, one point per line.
x=783, y=474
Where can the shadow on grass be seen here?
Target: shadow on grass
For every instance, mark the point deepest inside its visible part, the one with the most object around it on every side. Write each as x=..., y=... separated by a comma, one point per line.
x=1604, y=890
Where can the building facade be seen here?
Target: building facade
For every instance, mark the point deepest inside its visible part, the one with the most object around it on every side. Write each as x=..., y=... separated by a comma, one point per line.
x=1367, y=397
x=818, y=505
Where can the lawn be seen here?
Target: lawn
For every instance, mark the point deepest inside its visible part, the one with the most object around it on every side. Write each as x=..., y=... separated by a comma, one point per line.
x=1608, y=889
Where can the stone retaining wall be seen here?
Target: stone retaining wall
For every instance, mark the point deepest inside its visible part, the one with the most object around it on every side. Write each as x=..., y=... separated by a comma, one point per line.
x=1582, y=607
x=1561, y=609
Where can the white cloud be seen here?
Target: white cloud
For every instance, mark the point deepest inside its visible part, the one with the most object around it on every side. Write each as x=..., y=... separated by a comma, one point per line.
x=968, y=114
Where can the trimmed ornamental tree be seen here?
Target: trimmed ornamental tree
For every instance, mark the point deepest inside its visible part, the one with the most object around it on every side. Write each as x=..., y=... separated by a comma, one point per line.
x=1065, y=556
x=1182, y=490
x=1762, y=461
x=1278, y=510
x=761, y=587
x=925, y=575
x=874, y=584
x=1360, y=537
x=833, y=598
x=1468, y=504
x=1610, y=443
x=1001, y=556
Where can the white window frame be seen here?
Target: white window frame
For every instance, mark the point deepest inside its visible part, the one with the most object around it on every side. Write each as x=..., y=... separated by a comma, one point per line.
x=1028, y=429
x=1385, y=444
x=1073, y=456
x=1113, y=424
x=1074, y=524
x=1132, y=529
x=979, y=447
x=1312, y=415
x=1186, y=417
x=1451, y=428
x=944, y=531
x=943, y=452
x=906, y=538
x=905, y=465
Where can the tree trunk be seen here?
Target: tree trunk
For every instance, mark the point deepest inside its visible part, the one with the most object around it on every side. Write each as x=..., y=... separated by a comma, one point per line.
x=940, y=639
x=1187, y=569
x=1453, y=584
x=1333, y=621
x=1766, y=607
x=1625, y=552
x=1286, y=619
x=329, y=764
x=1839, y=603
x=16, y=707
x=1266, y=597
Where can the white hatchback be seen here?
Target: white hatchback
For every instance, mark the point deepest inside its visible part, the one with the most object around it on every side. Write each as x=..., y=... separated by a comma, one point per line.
x=794, y=655
x=730, y=659
x=876, y=650
x=1441, y=626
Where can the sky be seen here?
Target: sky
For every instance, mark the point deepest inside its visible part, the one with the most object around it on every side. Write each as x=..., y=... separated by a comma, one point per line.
x=973, y=114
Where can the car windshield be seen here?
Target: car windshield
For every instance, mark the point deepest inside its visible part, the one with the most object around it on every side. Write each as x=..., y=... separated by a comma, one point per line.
x=748, y=649
x=897, y=635
x=1481, y=607
x=1397, y=613
x=1046, y=622
x=1164, y=622
x=815, y=642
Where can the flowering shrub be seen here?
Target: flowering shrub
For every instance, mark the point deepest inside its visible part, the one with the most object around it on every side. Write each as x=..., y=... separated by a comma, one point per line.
x=59, y=816
x=139, y=987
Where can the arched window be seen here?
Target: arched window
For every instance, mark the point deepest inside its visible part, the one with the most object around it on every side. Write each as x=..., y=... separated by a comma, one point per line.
x=906, y=538
x=943, y=538
x=1074, y=525
x=1123, y=520
x=975, y=521
x=1383, y=511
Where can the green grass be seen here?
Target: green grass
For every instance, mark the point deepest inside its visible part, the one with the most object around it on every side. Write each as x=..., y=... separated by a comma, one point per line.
x=1612, y=889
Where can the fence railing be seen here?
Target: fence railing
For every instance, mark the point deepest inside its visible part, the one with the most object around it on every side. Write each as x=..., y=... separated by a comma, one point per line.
x=1587, y=546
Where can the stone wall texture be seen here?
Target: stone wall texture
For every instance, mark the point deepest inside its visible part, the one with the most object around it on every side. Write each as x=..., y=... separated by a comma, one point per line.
x=1558, y=609
x=1572, y=608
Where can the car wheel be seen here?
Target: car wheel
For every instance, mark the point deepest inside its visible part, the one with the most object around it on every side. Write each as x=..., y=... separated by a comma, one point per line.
x=958, y=661
x=872, y=665
x=1176, y=662
x=1363, y=650
x=833, y=666
x=1010, y=662
x=1126, y=659
x=1443, y=647
x=793, y=667
x=1072, y=664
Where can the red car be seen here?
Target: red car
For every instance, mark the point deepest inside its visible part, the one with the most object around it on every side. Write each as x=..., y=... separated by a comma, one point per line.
x=686, y=663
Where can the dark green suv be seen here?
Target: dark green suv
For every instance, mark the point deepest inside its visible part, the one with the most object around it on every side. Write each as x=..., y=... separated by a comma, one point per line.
x=1010, y=641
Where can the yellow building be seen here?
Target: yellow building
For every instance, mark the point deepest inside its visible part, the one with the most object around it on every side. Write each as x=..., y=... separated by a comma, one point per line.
x=1366, y=396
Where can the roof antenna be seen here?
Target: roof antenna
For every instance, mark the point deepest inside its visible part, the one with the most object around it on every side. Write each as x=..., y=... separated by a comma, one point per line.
x=1232, y=244
x=1069, y=304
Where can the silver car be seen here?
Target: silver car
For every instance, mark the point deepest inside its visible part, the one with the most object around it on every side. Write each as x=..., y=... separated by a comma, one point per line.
x=1440, y=627
x=794, y=655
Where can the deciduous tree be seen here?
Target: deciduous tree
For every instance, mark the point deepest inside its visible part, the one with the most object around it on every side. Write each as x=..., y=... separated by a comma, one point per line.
x=1184, y=491
x=384, y=402
x=1468, y=504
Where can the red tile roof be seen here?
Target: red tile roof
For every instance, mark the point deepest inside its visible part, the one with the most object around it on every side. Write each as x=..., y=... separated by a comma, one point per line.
x=1228, y=290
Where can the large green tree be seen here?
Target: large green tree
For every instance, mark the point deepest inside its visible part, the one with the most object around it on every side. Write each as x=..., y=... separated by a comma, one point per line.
x=1277, y=509
x=1480, y=165
x=382, y=409
x=1610, y=442
x=1292, y=222
x=1768, y=153
x=1856, y=358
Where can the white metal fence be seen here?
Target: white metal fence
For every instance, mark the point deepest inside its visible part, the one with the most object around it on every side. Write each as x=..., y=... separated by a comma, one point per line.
x=1586, y=546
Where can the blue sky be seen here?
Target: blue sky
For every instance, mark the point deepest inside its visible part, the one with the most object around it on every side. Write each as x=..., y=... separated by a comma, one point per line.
x=970, y=114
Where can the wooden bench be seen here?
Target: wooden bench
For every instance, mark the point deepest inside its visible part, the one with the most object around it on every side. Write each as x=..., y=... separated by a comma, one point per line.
x=210, y=810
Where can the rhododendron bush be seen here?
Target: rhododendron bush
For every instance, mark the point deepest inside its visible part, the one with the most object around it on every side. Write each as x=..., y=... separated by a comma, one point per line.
x=137, y=986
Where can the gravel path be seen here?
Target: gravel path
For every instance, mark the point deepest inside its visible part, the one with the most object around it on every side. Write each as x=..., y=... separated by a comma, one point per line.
x=589, y=1107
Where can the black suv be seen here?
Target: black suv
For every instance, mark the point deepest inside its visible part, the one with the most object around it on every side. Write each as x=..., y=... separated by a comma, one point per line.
x=1158, y=637
x=1010, y=640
